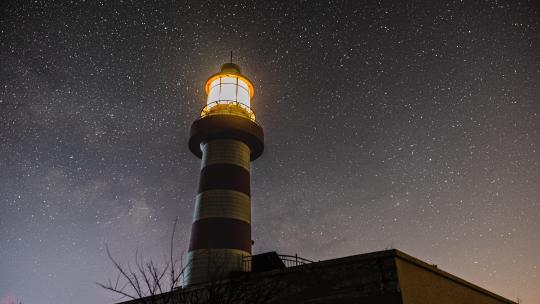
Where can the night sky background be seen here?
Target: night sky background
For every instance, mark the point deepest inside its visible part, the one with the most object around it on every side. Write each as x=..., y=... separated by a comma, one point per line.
x=388, y=125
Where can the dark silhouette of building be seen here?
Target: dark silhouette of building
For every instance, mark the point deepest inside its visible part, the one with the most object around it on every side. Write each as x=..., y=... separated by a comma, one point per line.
x=384, y=277
x=389, y=276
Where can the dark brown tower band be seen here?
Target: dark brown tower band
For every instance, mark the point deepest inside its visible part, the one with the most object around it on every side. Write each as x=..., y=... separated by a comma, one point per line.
x=220, y=233
x=224, y=176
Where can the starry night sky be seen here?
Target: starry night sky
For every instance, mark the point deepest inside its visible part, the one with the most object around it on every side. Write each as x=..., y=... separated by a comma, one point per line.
x=388, y=125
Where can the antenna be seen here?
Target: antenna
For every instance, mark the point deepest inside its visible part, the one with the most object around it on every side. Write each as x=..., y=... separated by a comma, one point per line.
x=231, y=56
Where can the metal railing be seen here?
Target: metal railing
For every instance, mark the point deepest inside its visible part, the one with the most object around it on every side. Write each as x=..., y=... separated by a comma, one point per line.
x=229, y=107
x=286, y=262
x=293, y=260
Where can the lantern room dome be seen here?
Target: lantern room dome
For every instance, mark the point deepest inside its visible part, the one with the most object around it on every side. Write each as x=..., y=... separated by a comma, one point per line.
x=231, y=68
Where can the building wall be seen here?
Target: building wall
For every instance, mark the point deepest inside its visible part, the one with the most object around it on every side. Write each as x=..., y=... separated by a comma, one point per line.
x=359, y=280
x=422, y=283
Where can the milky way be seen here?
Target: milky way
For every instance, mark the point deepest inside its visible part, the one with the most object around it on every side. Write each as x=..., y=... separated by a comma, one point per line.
x=388, y=125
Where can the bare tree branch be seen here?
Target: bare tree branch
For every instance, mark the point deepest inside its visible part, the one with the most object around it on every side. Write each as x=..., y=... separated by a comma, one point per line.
x=151, y=283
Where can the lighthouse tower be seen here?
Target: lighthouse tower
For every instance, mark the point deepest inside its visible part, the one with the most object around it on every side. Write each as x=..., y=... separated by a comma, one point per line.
x=227, y=138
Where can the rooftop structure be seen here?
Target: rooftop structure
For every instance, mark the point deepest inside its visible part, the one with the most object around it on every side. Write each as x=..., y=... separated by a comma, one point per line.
x=384, y=277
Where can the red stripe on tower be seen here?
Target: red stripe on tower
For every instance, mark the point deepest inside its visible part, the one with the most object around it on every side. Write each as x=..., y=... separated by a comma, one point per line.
x=225, y=176
x=220, y=233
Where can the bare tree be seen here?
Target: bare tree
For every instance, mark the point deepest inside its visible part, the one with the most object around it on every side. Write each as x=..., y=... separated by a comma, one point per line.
x=148, y=282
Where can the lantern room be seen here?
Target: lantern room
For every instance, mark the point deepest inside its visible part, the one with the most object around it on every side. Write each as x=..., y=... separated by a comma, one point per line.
x=229, y=92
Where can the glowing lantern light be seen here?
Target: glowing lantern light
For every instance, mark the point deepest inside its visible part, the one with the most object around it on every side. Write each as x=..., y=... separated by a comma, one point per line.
x=229, y=92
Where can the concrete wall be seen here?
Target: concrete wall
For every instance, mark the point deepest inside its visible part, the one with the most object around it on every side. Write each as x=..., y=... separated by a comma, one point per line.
x=422, y=283
x=359, y=279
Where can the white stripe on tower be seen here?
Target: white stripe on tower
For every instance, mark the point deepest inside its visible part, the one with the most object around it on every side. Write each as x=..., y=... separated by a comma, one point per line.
x=223, y=203
x=226, y=151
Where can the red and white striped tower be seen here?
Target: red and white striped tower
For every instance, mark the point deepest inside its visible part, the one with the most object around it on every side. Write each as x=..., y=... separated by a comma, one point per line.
x=226, y=138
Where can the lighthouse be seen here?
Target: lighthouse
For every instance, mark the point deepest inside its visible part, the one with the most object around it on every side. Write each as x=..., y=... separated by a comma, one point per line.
x=227, y=138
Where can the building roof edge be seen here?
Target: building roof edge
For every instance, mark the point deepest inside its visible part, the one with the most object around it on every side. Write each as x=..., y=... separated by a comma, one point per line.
x=433, y=268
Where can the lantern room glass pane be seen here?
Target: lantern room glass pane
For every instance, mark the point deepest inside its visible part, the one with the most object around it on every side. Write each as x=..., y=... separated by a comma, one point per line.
x=243, y=96
x=242, y=84
x=228, y=89
x=228, y=80
x=214, y=83
x=213, y=94
x=228, y=92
